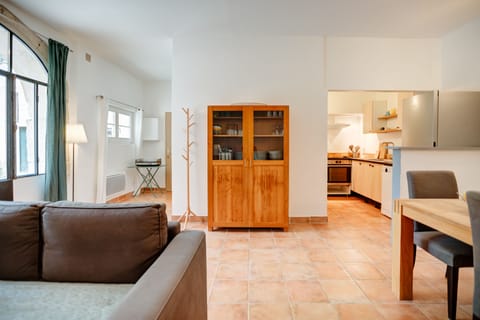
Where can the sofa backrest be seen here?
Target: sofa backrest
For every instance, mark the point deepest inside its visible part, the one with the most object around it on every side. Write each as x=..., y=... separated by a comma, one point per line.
x=112, y=243
x=80, y=242
x=20, y=240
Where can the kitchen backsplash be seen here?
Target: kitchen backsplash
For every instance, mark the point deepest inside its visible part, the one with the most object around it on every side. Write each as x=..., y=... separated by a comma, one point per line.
x=345, y=130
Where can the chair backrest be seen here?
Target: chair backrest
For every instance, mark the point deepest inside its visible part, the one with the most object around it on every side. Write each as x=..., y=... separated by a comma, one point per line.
x=473, y=200
x=431, y=184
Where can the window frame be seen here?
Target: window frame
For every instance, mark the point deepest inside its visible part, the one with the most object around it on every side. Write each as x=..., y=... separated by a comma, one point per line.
x=11, y=112
x=122, y=111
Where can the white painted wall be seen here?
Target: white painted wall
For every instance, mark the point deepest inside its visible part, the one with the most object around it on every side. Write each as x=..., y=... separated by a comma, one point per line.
x=213, y=69
x=464, y=163
x=460, y=71
x=382, y=64
x=460, y=58
x=157, y=101
x=84, y=82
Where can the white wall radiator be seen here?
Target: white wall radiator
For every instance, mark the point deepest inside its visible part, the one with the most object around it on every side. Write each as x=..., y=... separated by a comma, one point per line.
x=115, y=184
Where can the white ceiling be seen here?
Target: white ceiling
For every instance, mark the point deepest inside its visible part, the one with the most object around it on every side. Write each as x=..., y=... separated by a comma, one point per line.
x=137, y=34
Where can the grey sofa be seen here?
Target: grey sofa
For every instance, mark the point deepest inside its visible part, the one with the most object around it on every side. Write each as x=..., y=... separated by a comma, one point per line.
x=111, y=261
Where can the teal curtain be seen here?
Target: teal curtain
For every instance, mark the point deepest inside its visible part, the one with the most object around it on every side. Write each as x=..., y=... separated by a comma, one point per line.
x=56, y=168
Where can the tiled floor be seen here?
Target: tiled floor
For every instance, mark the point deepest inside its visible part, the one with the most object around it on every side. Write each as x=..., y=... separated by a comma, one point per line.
x=339, y=270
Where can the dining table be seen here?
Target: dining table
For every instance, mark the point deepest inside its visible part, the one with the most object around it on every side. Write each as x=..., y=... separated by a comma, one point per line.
x=449, y=216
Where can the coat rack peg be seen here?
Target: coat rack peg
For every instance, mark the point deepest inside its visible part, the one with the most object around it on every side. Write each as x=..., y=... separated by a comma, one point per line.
x=188, y=212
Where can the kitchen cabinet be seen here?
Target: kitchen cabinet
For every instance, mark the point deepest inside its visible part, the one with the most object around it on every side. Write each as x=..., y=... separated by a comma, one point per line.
x=386, y=208
x=441, y=119
x=367, y=179
x=248, y=159
x=376, y=119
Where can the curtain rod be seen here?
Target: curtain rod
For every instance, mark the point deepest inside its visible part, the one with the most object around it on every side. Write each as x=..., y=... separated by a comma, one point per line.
x=119, y=102
x=46, y=38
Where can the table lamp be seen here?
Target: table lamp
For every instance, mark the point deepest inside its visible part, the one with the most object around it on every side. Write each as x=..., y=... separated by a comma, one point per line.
x=75, y=134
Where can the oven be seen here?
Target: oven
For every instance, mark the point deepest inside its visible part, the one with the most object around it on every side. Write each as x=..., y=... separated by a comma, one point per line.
x=339, y=174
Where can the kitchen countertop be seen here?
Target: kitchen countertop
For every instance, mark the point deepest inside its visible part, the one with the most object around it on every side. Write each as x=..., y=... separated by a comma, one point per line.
x=387, y=162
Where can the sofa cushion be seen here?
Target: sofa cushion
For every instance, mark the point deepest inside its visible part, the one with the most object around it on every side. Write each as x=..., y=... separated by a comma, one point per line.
x=19, y=241
x=112, y=243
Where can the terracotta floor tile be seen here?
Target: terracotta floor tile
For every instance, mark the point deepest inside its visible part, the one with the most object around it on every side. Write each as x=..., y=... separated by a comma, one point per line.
x=265, y=271
x=287, y=243
x=214, y=243
x=309, y=311
x=358, y=311
x=337, y=243
x=264, y=255
x=440, y=312
x=351, y=255
x=236, y=271
x=400, y=312
x=298, y=255
x=330, y=271
x=277, y=233
x=378, y=290
x=314, y=243
x=305, y=291
x=363, y=270
x=262, y=243
x=235, y=255
x=274, y=311
x=229, y=291
x=425, y=292
x=321, y=255
x=227, y=311
x=237, y=234
x=264, y=291
x=298, y=271
x=231, y=244
x=343, y=291
x=336, y=270
x=260, y=233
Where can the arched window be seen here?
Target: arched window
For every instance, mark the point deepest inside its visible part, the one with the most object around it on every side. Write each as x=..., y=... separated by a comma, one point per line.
x=23, y=105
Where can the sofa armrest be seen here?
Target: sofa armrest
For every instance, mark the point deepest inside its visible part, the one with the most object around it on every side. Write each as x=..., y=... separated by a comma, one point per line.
x=173, y=229
x=175, y=285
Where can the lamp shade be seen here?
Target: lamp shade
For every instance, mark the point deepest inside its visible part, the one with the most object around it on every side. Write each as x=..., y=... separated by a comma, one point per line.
x=76, y=133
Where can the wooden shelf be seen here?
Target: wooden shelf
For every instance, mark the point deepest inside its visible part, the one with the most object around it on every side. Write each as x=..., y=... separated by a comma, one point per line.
x=227, y=136
x=387, y=117
x=268, y=136
x=387, y=130
x=268, y=118
x=227, y=118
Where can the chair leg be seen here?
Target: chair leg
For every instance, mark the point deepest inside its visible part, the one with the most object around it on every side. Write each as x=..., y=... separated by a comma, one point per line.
x=414, y=255
x=452, y=288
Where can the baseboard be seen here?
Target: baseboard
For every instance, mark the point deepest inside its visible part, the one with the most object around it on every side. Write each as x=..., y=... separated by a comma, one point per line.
x=292, y=220
x=121, y=198
x=311, y=220
x=203, y=219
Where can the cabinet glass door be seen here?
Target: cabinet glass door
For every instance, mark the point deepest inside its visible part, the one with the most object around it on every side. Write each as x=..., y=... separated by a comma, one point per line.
x=268, y=129
x=227, y=135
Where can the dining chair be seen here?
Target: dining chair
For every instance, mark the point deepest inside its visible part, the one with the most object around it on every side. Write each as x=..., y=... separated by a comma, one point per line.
x=473, y=201
x=431, y=184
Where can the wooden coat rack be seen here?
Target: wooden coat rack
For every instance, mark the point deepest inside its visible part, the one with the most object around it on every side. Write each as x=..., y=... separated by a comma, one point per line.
x=188, y=212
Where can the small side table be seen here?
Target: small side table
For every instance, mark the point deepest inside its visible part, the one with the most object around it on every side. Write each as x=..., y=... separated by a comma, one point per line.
x=147, y=172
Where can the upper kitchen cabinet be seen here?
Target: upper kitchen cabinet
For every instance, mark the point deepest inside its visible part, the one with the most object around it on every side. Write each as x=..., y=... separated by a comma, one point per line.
x=441, y=119
x=248, y=166
x=377, y=118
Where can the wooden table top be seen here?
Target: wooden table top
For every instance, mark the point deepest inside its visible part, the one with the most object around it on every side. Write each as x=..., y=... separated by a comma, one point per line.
x=449, y=216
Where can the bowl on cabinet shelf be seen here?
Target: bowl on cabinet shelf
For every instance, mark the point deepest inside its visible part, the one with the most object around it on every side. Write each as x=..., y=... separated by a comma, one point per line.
x=275, y=154
x=260, y=155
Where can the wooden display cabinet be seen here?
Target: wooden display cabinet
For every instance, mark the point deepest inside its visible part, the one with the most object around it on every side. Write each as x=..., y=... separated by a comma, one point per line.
x=248, y=166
